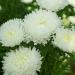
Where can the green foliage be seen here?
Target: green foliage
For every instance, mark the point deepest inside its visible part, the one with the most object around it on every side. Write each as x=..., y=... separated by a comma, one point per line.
x=55, y=61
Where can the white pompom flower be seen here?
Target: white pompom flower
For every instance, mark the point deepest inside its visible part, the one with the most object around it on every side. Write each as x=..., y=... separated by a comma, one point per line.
x=53, y=5
x=11, y=33
x=39, y=25
x=23, y=61
x=65, y=39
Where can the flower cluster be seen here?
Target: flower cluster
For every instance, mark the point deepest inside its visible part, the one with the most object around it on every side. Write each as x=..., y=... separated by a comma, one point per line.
x=39, y=26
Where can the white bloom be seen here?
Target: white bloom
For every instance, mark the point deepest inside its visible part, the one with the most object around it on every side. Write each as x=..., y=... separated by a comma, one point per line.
x=72, y=2
x=11, y=33
x=22, y=62
x=65, y=39
x=26, y=1
x=39, y=25
x=53, y=5
x=72, y=19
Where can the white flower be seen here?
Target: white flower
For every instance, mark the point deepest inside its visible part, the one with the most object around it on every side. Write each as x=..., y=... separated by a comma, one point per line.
x=72, y=19
x=39, y=25
x=53, y=5
x=65, y=39
x=11, y=33
x=22, y=62
x=72, y=2
x=26, y=1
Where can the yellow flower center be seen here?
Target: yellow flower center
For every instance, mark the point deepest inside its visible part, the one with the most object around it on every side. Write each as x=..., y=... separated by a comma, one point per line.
x=42, y=21
x=9, y=34
x=67, y=38
x=19, y=60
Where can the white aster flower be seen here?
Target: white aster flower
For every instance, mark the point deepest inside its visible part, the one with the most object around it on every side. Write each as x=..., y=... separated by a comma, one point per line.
x=11, y=33
x=22, y=62
x=53, y=5
x=65, y=39
x=39, y=25
x=26, y=1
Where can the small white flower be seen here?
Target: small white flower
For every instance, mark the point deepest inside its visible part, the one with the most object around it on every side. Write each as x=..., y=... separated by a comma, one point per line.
x=72, y=2
x=53, y=5
x=26, y=1
x=22, y=62
x=39, y=25
x=65, y=39
x=11, y=33
x=72, y=19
